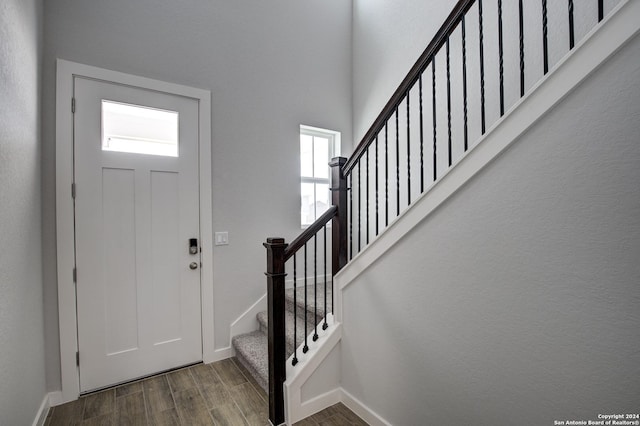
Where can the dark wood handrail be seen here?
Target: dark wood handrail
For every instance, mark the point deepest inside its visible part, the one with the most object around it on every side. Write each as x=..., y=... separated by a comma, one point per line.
x=421, y=64
x=309, y=233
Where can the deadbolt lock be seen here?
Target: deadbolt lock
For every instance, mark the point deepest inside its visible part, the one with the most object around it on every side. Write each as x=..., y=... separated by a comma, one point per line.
x=193, y=246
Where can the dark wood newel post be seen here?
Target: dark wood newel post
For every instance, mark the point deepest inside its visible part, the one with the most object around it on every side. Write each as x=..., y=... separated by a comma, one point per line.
x=277, y=345
x=339, y=224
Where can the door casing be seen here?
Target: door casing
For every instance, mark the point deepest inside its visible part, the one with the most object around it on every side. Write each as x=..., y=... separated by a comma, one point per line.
x=66, y=70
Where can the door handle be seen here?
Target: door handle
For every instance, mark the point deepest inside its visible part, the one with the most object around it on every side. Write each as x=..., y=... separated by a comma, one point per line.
x=193, y=246
x=193, y=265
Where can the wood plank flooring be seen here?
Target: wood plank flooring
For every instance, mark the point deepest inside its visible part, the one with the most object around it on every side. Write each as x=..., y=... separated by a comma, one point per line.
x=222, y=393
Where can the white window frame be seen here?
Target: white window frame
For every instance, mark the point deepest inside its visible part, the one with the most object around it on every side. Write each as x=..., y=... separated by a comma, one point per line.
x=334, y=151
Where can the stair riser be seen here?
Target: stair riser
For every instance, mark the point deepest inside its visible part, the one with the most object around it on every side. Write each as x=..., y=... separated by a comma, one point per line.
x=300, y=311
x=289, y=337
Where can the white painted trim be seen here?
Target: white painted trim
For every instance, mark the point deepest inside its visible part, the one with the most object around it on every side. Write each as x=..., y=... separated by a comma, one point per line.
x=43, y=411
x=308, y=363
x=336, y=137
x=206, y=225
x=604, y=40
x=220, y=354
x=64, y=209
x=319, y=403
x=55, y=398
x=364, y=412
x=248, y=321
x=65, y=232
x=332, y=397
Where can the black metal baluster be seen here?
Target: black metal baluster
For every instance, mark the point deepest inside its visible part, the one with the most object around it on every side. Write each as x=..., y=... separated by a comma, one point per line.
x=501, y=58
x=571, y=28
x=359, y=203
x=449, y=104
x=305, y=348
x=397, y=163
x=326, y=312
x=421, y=138
x=600, y=10
x=481, y=42
x=351, y=215
x=433, y=106
x=315, y=287
x=408, y=154
x=465, y=116
x=295, y=317
x=521, y=22
x=545, y=48
x=386, y=175
x=367, y=197
x=377, y=179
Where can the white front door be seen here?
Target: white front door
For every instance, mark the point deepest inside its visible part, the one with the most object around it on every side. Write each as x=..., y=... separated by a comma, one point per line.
x=136, y=211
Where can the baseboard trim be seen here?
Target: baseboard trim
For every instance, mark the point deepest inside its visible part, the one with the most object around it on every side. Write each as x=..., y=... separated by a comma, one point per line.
x=220, y=354
x=43, y=411
x=364, y=412
x=320, y=402
x=55, y=398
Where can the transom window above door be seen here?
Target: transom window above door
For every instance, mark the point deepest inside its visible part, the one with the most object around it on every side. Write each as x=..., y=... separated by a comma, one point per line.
x=139, y=129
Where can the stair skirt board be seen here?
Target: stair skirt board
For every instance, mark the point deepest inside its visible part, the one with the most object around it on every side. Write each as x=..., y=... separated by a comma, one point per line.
x=315, y=361
x=332, y=397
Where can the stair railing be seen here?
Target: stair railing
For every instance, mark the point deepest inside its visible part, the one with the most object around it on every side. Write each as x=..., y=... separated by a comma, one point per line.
x=450, y=97
x=278, y=253
x=416, y=147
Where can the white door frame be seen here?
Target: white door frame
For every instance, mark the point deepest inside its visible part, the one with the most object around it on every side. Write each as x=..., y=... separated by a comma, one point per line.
x=65, y=214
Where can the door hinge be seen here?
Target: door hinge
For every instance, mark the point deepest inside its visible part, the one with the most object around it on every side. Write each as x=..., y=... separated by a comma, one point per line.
x=78, y=359
x=73, y=191
x=73, y=105
x=75, y=275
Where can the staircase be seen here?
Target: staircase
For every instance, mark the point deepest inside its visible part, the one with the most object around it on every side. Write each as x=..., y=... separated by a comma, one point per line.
x=251, y=348
x=438, y=130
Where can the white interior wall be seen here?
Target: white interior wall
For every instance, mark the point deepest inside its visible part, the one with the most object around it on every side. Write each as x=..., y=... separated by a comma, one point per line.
x=22, y=364
x=515, y=302
x=388, y=38
x=398, y=48
x=270, y=67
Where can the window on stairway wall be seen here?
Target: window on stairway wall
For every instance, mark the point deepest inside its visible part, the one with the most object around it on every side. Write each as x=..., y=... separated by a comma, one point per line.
x=317, y=147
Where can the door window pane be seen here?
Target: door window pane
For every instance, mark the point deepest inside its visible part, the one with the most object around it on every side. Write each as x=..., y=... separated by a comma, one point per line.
x=139, y=129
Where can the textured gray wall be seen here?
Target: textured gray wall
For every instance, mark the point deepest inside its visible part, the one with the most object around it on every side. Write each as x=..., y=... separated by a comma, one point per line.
x=516, y=302
x=270, y=66
x=22, y=376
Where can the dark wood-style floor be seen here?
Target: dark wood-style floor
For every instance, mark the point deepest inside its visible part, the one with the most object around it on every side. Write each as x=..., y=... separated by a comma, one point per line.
x=222, y=393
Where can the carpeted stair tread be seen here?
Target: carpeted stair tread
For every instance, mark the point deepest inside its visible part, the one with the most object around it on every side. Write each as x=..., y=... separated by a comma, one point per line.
x=263, y=320
x=311, y=301
x=251, y=351
x=252, y=348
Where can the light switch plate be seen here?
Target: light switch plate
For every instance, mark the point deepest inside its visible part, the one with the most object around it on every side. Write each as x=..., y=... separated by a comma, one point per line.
x=221, y=238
